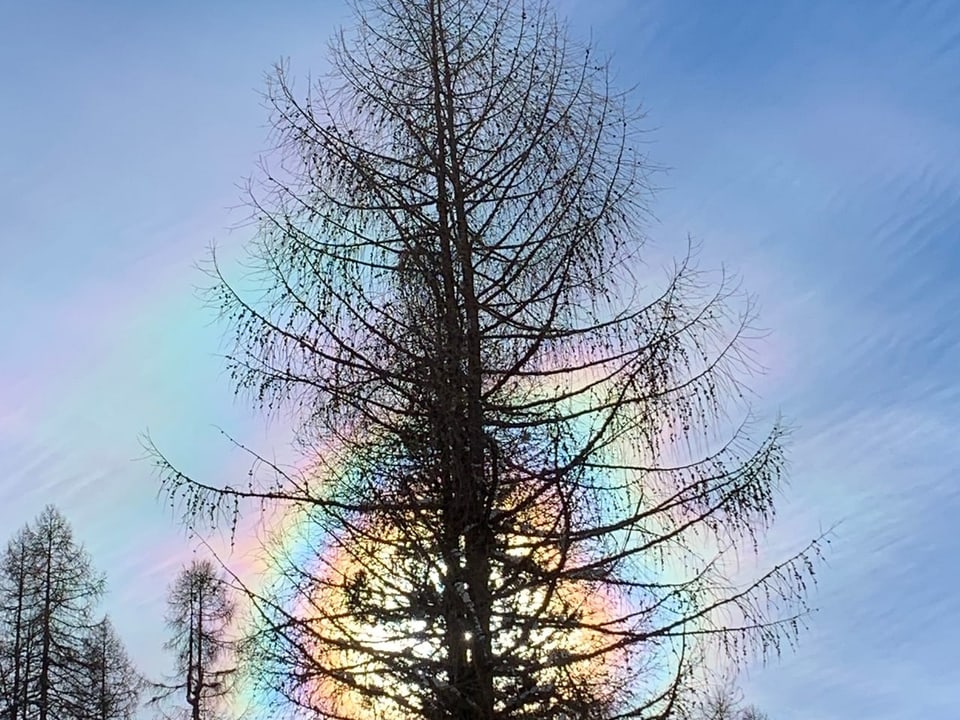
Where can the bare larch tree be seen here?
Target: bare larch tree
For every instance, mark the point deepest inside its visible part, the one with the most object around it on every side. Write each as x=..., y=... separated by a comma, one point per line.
x=527, y=471
x=722, y=701
x=112, y=686
x=17, y=624
x=56, y=659
x=199, y=613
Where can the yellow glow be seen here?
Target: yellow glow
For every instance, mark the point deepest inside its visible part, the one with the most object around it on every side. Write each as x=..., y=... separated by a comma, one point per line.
x=357, y=651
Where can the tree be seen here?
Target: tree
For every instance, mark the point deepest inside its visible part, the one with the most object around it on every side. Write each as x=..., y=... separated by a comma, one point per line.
x=113, y=687
x=16, y=637
x=56, y=660
x=724, y=701
x=67, y=591
x=200, y=611
x=529, y=470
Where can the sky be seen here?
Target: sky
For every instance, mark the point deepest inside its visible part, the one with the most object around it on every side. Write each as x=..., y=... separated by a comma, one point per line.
x=813, y=147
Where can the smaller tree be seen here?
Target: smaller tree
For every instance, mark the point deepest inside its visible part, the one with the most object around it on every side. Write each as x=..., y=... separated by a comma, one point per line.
x=113, y=684
x=723, y=701
x=199, y=613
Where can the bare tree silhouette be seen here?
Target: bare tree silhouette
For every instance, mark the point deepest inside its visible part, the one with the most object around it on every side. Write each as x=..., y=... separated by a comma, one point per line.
x=200, y=611
x=528, y=466
x=57, y=660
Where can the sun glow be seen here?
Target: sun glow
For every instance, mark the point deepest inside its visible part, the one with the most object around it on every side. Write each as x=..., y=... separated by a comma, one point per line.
x=368, y=608
x=357, y=656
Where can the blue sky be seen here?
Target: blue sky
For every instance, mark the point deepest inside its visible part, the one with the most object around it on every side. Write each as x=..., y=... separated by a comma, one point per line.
x=814, y=147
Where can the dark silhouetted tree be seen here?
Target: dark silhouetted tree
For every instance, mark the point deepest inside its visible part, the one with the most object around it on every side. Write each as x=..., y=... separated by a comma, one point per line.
x=67, y=591
x=112, y=685
x=56, y=659
x=529, y=465
x=199, y=613
x=723, y=701
x=17, y=578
